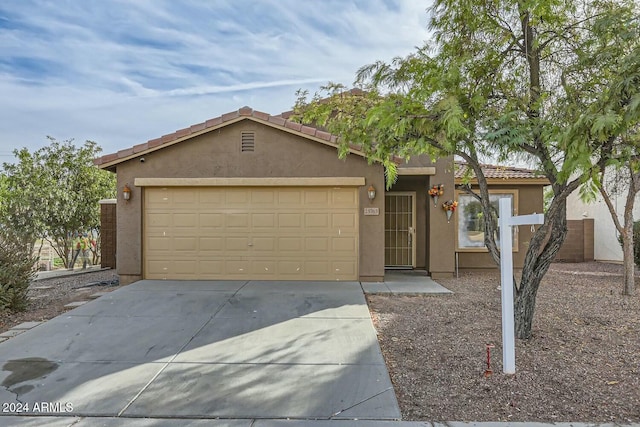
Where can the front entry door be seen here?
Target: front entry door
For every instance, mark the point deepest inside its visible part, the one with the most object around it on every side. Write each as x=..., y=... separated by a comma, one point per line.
x=400, y=227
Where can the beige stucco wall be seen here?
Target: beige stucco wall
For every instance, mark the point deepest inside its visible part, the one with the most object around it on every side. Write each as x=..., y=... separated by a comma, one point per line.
x=441, y=233
x=277, y=154
x=530, y=200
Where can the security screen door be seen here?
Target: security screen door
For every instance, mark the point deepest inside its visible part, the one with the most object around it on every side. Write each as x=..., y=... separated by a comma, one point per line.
x=400, y=226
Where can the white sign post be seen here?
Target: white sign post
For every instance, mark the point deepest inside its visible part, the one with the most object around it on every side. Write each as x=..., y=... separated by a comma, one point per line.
x=505, y=222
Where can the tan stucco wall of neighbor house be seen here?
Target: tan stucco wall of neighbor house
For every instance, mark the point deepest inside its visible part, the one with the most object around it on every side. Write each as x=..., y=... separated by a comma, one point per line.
x=277, y=154
x=530, y=200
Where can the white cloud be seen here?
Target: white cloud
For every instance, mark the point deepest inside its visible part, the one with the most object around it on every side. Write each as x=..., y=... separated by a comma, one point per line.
x=124, y=72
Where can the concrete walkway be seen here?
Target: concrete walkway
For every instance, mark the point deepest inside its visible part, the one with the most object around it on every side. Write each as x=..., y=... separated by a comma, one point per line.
x=66, y=273
x=405, y=282
x=189, y=422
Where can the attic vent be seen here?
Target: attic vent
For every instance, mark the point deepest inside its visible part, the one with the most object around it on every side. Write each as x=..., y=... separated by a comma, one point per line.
x=248, y=141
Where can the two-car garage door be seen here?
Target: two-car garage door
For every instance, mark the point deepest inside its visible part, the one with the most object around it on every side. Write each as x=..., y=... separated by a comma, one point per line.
x=251, y=233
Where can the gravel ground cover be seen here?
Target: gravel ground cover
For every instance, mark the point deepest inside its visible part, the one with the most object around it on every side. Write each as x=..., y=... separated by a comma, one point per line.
x=49, y=296
x=582, y=363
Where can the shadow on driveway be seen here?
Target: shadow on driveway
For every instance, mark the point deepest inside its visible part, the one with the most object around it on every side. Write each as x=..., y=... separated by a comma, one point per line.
x=237, y=350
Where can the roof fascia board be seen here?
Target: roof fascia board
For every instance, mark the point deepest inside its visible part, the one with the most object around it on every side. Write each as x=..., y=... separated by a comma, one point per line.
x=508, y=181
x=252, y=182
x=424, y=170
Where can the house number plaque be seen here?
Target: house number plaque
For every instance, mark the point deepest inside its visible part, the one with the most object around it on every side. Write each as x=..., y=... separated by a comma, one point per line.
x=372, y=211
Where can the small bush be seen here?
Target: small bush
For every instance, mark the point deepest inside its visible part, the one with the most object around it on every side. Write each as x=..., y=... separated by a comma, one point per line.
x=636, y=242
x=16, y=271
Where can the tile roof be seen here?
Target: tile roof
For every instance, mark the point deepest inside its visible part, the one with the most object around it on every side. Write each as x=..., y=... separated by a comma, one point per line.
x=216, y=122
x=281, y=121
x=499, y=172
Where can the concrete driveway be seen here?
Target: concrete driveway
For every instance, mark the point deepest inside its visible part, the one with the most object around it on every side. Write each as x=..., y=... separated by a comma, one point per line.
x=230, y=350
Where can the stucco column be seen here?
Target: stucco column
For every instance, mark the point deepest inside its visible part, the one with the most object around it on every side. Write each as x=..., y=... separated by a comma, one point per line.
x=129, y=235
x=442, y=234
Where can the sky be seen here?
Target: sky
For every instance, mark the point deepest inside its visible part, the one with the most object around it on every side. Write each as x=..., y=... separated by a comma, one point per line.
x=123, y=72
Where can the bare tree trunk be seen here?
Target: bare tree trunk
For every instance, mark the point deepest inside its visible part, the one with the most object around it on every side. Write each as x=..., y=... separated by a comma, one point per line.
x=628, y=261
x=538, y=259
x=625, y=229
x=627, y=241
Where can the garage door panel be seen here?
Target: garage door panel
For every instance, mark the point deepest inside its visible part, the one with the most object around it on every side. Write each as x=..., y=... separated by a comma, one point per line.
x=211, y=196
x=319, y=197
x=289, y=220
x=293, y=243
x=182, y=244
x=236, y=220
x=344, y=197
x=316, y=244
x=317, y=268
x=343, y=268
x=236, y=197
x=294, y=233
x=264, y=268
x=159, y=197
x=158, y=243
x=159, y=220
x=211, y=268
x=263, y=197
x=263, y=244
x=316, y=220
x=186, y=196
x=237, y=244
x=290, y=197
x=263, y=220
x=185, y=267
x=291, y=268
x=211, y=244
x=160, y=266
x=344, y=244
x=237, y=267
x=211, y=220
x=189, y=220
x=344, y=220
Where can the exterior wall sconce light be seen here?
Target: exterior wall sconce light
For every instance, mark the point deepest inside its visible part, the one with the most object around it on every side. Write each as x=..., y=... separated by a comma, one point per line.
x=126, y=192
x=371, y=192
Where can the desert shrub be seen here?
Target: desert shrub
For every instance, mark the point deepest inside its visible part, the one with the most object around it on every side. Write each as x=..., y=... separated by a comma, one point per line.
x=16, y=270
x=636, y=242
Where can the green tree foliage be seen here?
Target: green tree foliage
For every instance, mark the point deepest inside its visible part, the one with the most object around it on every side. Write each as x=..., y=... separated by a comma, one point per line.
x=54, y=192
x=552, y=82
x=16, y=270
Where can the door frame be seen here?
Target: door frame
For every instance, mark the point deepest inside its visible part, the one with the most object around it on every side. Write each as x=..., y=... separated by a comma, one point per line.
x=412, y=229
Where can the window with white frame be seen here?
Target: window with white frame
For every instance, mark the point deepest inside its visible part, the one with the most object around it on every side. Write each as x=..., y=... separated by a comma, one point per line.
x=470, y=220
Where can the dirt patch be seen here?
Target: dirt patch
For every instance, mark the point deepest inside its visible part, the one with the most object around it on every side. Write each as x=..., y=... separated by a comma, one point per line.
x=582, y=363
x=48, y=297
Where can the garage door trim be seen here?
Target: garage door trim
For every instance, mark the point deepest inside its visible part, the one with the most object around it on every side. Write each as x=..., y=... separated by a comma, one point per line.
x=251, y=182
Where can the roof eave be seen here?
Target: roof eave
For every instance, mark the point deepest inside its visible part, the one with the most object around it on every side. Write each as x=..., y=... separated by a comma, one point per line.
x=508, y=181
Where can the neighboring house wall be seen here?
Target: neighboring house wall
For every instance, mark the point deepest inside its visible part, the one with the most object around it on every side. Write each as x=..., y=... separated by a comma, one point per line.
x=277, y=154
x=579, y=243
x=530, y=200
x=108, y=233
x=606, y=245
